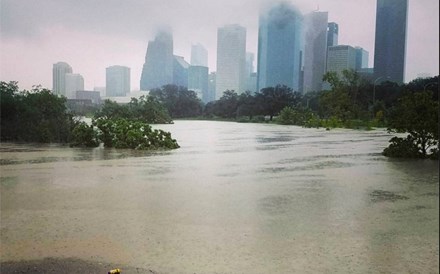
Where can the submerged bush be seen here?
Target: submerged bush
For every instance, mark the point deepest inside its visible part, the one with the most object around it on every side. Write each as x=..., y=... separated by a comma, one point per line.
x=416, y=114
x=402, y=148
x=122, y=133
x=84, y=135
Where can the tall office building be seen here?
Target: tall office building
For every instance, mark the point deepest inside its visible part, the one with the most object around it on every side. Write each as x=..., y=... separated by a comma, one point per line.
x=59, y=72
x=251, y=84
x=249, y=63
x=159, y=60
x=198, y=82
x=315, y=52
x=180, y=71
x=332, y=34
x=73, y=83
x=199, y=55
x=211, y=86
x=361, y=58
x=280, y=48
x=390, y=42
x=231, y=59
x=341, y=58
x=117, y=81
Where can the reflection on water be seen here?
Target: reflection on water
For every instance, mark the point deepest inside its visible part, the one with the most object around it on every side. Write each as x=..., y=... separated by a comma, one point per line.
x=235, y=198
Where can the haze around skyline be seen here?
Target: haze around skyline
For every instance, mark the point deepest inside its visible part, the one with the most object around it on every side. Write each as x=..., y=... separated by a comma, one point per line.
x=93, y=35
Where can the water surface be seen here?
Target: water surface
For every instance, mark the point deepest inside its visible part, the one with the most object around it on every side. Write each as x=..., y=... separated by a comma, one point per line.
x=235, y=198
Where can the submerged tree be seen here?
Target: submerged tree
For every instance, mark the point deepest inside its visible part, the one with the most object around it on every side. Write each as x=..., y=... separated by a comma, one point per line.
x=273, y=99
x=146, y=109
x=179, y=101
x=418, y=115
x=33, y=116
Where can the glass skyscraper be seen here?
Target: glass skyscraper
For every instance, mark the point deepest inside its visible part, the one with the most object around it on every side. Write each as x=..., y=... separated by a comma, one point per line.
x=315, y=53
x=280, y=48
x=332, y=34
x=390, y=43
x=159, y=62
x=231, y=59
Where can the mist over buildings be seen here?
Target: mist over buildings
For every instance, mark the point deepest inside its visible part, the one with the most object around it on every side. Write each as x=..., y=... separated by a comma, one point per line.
x=93, y=35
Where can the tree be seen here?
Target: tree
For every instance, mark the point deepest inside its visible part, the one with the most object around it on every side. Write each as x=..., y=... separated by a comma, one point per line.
x=147, y=109
x=274, y=99
x=415, y=114
x=179, y=101
x=348, y=99
x=247, y=105
x=33, y=116
x=225, y=107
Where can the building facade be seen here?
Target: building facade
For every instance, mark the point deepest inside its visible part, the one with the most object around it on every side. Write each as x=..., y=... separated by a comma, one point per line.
x=231, y=59
x=332, y=34
x=59, y=72
x=199, y=55
x=159, y=62
x=340, y=58
x=280, y=48
x=93, y=96
x=180, y=71
x=361, y=58
x=73, y=83
x=198, y=81
x=390, y=39
x=315, y=51
x=117, y=81
x=211, y=86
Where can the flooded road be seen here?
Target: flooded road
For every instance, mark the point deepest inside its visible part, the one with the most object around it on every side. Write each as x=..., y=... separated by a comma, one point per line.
x=235, y=198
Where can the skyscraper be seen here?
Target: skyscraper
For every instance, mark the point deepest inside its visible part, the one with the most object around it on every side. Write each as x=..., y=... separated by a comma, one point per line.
x=231, y=59
x=280, y=48
x=199, y=55
x=315, y=52
x=390, y=42
x=180, y=71
x=332, y=34
x=158, y=67
x=340, y=58
x=211, y=86
x=117, y=81
x=361, y=58
x=198, y=82
x=73, y=83
x=59, y=72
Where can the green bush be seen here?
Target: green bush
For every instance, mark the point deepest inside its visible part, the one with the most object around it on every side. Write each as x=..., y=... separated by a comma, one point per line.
x=402, y=148
x=84, y=135
x=122, y=133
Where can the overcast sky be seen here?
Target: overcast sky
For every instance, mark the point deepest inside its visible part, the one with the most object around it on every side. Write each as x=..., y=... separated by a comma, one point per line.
x=91, y=35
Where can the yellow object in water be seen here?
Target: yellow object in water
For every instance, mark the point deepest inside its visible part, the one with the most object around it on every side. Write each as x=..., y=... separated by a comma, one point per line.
x=115, y=271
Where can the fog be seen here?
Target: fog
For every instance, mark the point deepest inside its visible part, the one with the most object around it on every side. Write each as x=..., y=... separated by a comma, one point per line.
x=92, y=35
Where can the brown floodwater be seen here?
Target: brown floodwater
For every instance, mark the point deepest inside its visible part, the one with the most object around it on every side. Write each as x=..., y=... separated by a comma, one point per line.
x=235, y=198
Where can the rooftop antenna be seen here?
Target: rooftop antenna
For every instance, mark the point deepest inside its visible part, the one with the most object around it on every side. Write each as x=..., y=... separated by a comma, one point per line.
x=317, y=8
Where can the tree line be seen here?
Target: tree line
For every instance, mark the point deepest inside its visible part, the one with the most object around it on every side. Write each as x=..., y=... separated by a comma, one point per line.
x=39, y=116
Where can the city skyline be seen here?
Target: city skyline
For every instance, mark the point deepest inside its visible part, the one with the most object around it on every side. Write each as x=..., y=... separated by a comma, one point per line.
x=89, y=42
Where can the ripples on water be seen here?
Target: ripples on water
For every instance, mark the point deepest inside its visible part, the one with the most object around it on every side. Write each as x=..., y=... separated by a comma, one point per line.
x=235, y=198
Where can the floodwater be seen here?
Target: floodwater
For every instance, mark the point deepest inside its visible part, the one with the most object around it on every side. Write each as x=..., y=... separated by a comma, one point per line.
x=235, y=198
